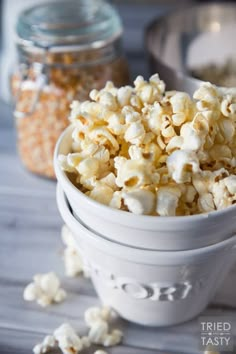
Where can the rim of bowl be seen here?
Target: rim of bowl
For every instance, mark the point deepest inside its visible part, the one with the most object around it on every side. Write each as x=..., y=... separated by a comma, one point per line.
x=160, y=20
x=115, y=213
x=124, y=249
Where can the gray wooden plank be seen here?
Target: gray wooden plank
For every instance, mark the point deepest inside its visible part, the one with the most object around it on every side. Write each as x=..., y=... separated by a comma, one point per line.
x=179, y=338
x=22, y=342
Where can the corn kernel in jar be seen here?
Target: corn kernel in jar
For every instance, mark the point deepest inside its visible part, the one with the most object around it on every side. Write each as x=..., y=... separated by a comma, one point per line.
x=61, y=59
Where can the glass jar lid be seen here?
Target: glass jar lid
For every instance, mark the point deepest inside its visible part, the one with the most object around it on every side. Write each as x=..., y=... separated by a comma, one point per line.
x=80, y=23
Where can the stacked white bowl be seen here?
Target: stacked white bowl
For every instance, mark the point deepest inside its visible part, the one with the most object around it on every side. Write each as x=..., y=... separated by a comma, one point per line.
x=151, y=270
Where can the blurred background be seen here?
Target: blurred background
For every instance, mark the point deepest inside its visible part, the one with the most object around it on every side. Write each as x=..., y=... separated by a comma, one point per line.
x=135, y=14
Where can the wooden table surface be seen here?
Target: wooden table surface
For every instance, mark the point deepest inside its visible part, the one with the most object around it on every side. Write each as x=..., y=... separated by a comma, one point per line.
x=30, y=243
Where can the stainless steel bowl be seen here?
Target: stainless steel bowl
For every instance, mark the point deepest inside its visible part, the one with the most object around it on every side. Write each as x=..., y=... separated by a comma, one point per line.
x=191, y=38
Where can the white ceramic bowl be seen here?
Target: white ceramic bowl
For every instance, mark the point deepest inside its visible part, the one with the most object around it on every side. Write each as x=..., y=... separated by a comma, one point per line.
x=151, y=287
x=156, y=233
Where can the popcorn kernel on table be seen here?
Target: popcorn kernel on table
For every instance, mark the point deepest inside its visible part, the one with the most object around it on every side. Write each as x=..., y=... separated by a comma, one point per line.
x=45, y=289
x=157, y=142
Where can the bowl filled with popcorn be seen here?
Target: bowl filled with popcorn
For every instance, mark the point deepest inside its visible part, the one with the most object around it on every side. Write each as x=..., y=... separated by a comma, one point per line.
x=146, y=182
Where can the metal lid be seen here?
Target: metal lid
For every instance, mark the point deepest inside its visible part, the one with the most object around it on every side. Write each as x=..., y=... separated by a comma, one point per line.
x=80, y=23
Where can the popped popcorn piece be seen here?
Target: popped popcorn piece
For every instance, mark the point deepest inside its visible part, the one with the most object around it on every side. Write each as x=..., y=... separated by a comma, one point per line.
x=228, y=106
x=230, y=183
x=116, y=124
x=45, y=289
x=208, y=98
x=182, y=164
x=181, y=105
x=100, y=352
x=88, y=167
x=201, y=182
x=101, y=135
x=86, y=343
x=132, y=173
x=124, y=95
x=102, y=193
x=93, y=314
x=98, y=332
x=167, y=201
x=69, y=342
x=131, y=142
x=67, y=339
x=206, y=203
x=135, y=133
x=112, y=339
x=190, y=194
x=140, y=201
x=68, y=164
x=223, y=192
x=97, y=319
x=191, y=140
x=149, y=92
x=175, y=143
x=72, y=259
x=47, y=344
x=167, y=130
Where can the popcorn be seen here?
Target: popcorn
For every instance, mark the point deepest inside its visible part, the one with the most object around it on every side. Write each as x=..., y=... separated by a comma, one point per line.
x=181, y=164
x=88, y=167
x=191, y=140
x=130, y=115
x=131, y=173
x=167, y=130
x=228, y=107
x=227, y=128
x=154, y=152
x=230, y=183
x=94, y=314
x=149, y=92
x=124, y=95
x=167, y=201
x=116, y=200
x=68, y=341
x=181, y=105
x=86, y=343
x=113, y=339
x=98, y=332
x=102, y=193
x=175, y=143
x=108, y=100
x=64, y=338
x=140, y=201
x=98, y=320
x=116, y=124
x=208, y=99
x=135, y=133
x=190, y=194
x=206, y=202
x=153, y=117
x=222, y=192
x=102, y=136
x=47, y=344
x=45, y=289
x=67, y=163
x=72, y=260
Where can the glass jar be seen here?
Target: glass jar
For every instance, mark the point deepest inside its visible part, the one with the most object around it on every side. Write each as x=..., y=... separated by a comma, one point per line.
x=65, y=49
